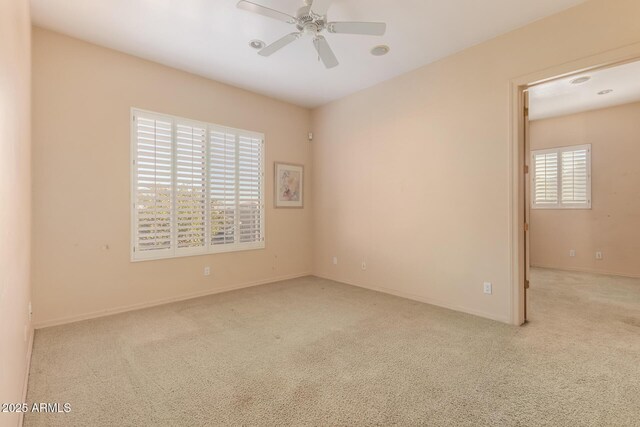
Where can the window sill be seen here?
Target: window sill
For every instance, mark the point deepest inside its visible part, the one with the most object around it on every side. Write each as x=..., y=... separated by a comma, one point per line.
x=137, y=257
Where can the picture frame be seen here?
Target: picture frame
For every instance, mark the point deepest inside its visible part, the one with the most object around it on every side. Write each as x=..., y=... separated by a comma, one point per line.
x=288, y=185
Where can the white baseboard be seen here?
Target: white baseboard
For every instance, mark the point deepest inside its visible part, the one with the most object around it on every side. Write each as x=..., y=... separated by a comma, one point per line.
x=162, y=301
x=430, y=301
x=26, y=373
x=586, y=270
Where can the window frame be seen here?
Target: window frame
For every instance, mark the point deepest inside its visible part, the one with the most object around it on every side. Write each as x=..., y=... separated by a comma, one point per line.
x=560, y=204
x=208, y=248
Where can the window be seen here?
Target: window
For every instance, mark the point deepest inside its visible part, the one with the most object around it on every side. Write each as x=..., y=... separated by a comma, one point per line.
x=197, y=188
x=561, y=178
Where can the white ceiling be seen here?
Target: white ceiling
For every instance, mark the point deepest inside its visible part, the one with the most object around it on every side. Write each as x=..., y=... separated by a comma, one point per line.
x=210, y=38
x=560, y=97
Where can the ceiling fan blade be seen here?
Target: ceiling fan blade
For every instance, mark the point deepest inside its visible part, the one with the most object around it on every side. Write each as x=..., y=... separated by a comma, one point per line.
x=320, y=7
x=265, y=11
x=325, y=52
x=279, y=44
x=366, y=28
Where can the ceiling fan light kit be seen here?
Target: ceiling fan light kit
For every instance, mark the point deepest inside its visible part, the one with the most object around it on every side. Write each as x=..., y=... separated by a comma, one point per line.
x=311, y=20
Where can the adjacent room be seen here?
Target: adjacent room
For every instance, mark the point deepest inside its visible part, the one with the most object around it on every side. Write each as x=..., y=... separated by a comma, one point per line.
x=319, y=212
x=584, y=137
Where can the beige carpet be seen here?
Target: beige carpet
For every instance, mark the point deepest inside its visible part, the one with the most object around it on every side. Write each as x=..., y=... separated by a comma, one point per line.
x=315, y=352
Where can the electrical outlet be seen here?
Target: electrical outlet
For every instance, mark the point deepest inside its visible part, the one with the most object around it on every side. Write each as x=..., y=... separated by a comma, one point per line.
x=364, y=265
x=599, y=255
x=207, y=271
x=30, y=311
x=335, y=260
x=572, y=253
x=488, y=289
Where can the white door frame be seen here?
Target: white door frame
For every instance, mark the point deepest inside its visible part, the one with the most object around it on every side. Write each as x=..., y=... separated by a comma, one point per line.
x=607, y=59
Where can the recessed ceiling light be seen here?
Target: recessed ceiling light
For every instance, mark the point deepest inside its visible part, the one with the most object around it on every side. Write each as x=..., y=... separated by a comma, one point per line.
x=380, y=50
x=605, y=92
x=580, y=80
x=256, y=44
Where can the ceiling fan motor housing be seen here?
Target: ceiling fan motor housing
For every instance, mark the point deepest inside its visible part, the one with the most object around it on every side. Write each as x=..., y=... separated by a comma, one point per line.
x=304, y=16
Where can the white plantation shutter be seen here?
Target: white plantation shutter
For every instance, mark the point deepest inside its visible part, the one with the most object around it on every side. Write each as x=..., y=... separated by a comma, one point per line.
x=545, y=181
x=575, y=177
x=191, y=192
x=561, y=178
x=250, y=194
x=153, y=190
x=196, y=187
x=223, y=192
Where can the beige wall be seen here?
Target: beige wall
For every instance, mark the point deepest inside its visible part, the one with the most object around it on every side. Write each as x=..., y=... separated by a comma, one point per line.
x=413, y=175
x=82, y=95
x=15, y=200
x=613, y=224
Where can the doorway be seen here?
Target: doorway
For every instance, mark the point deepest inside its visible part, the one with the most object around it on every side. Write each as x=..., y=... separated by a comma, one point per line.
x=579, y=148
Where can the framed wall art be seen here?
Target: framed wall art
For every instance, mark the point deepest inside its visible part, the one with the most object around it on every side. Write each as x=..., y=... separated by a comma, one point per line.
x=289, y=185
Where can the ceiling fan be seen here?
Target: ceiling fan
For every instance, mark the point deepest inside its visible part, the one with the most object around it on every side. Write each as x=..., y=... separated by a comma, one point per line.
x=311, y=20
